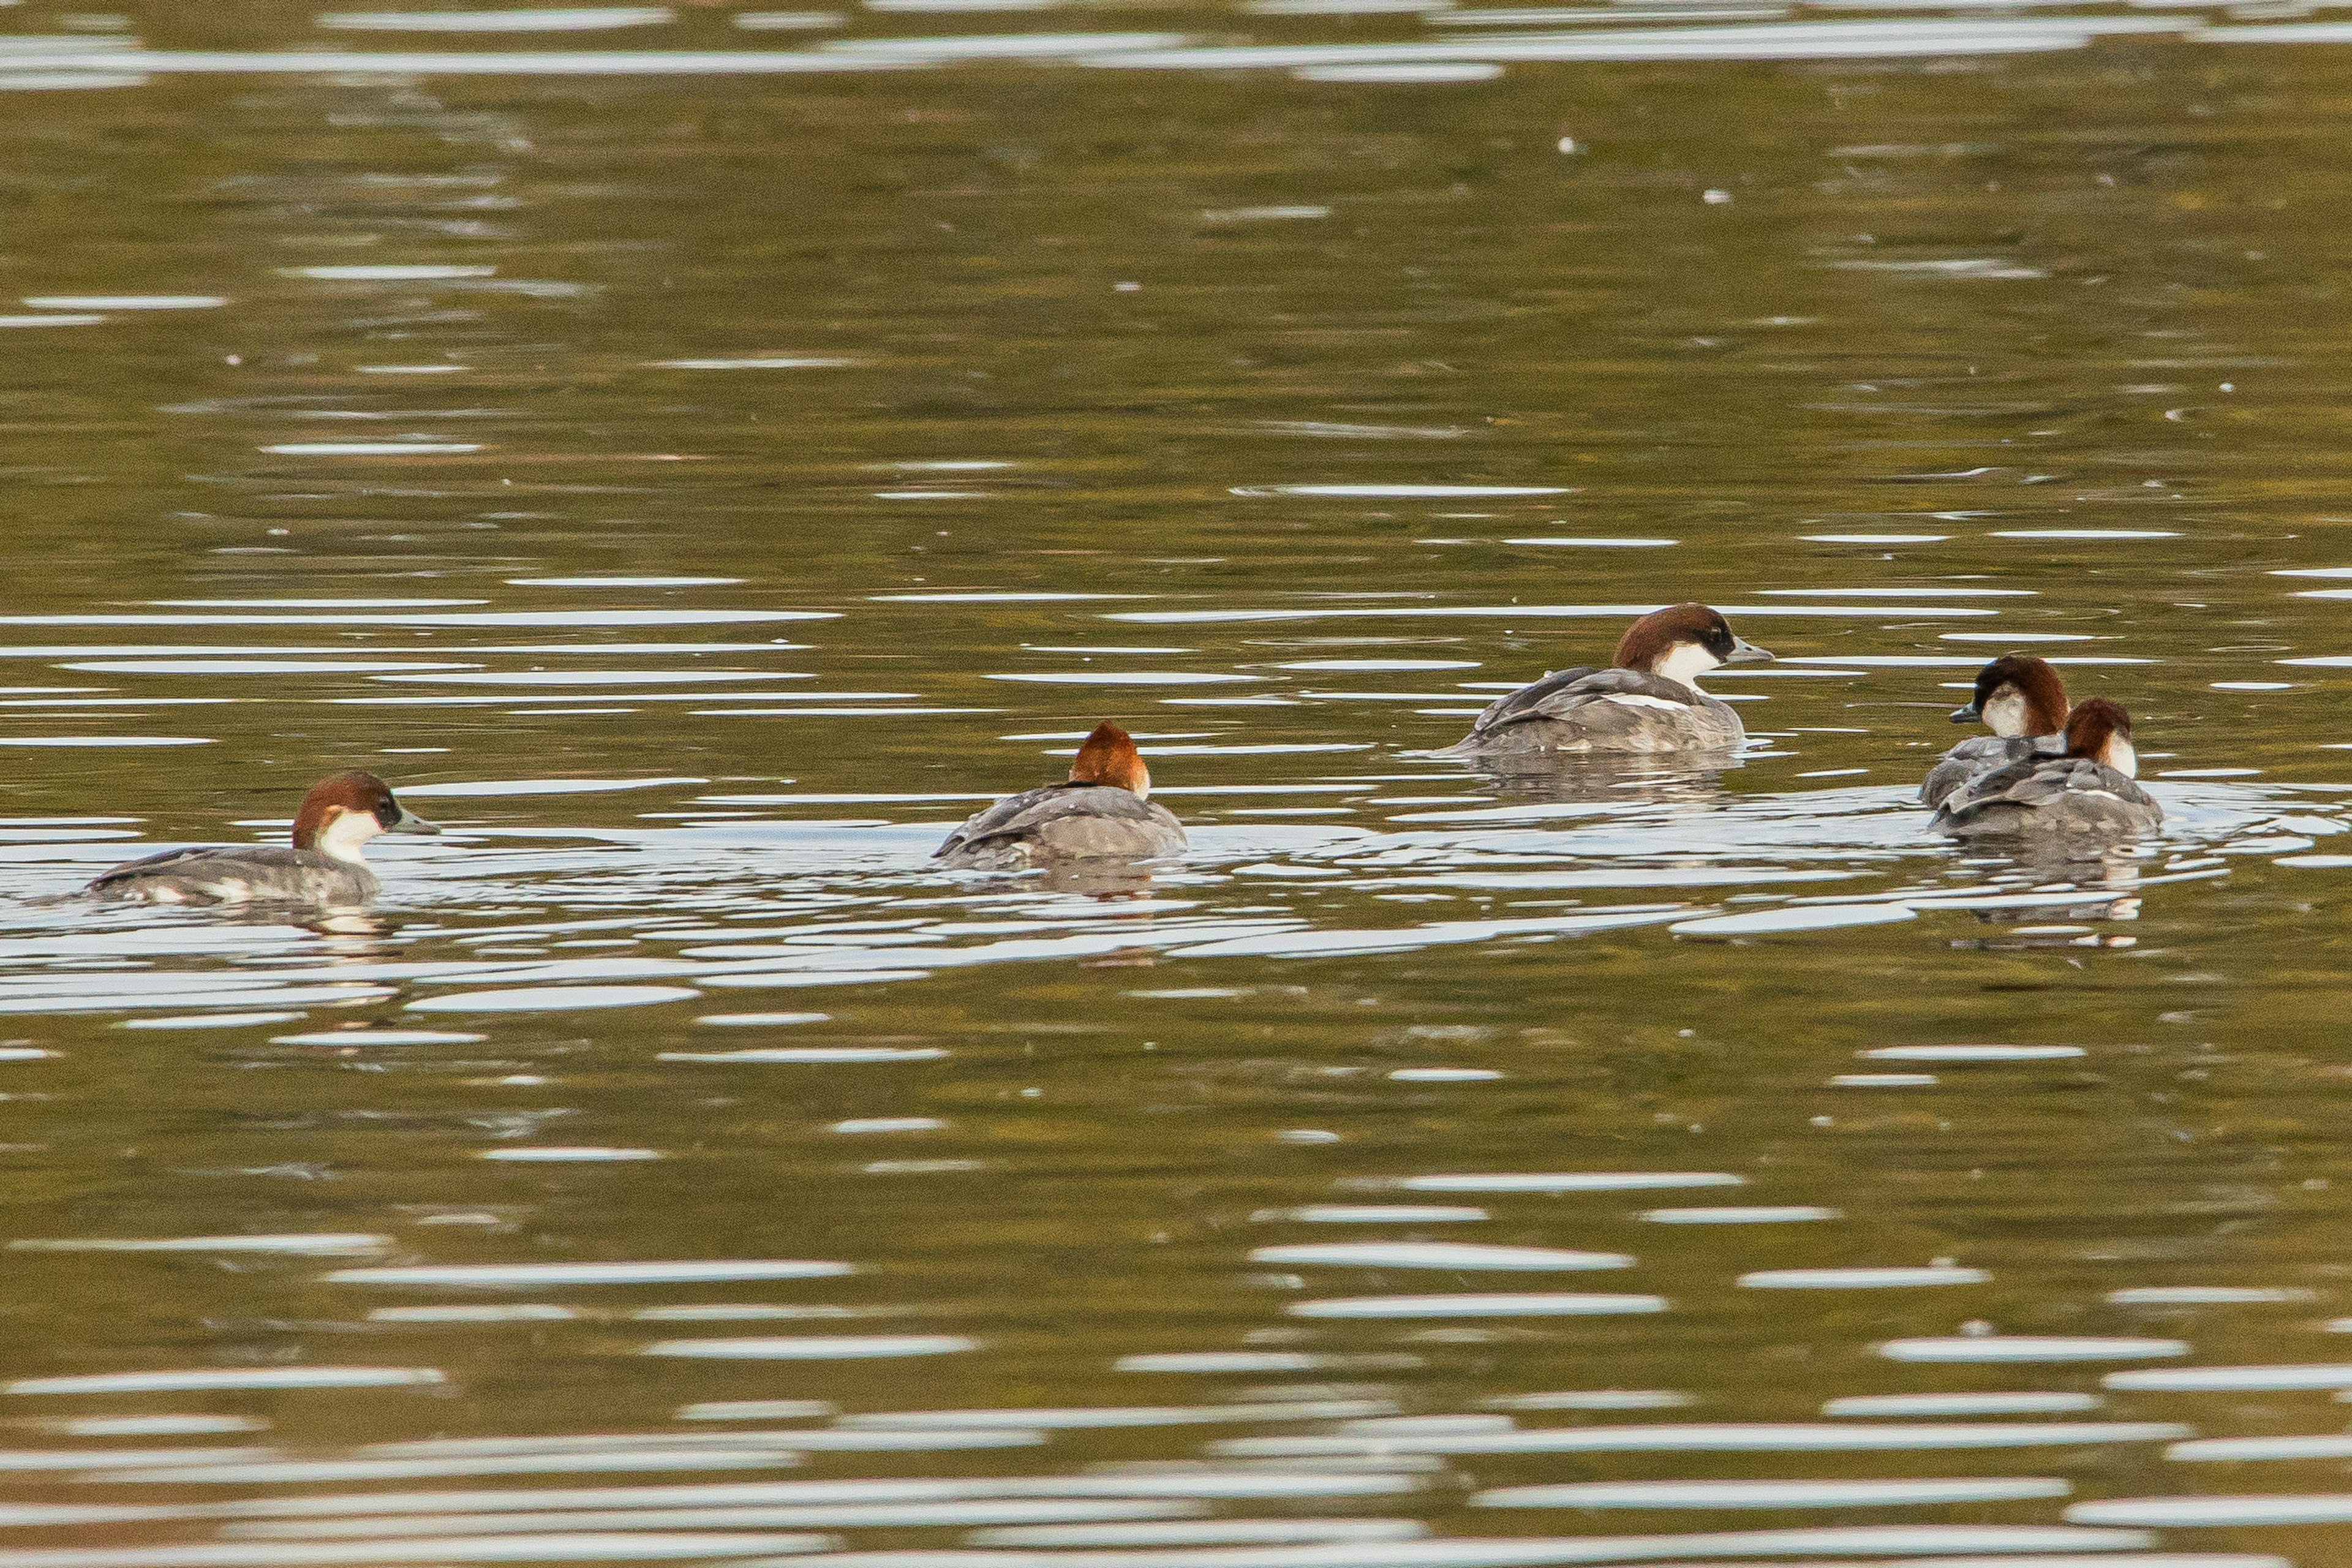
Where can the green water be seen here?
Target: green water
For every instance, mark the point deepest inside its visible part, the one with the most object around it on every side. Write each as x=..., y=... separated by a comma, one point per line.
x=789, y=463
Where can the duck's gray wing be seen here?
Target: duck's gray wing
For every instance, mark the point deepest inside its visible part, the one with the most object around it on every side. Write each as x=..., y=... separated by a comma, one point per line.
x=1603, y=710
x=1073, y=820
x=223, y=874
x=169, y=860
x=1527, y=701
x=2089, y=792
x=990, y=822
x=1982, y=754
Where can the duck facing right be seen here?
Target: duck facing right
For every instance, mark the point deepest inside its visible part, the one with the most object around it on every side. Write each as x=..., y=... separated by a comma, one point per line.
x=323, y=865
x=1647, y=701
x=2088, y=792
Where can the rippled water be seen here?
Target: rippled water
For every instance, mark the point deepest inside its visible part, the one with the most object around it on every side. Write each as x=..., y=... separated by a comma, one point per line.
x=701, y=453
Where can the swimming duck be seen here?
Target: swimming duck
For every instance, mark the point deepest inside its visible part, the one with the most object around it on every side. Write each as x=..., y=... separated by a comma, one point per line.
x=1099, y=813
x=2021, y=700
x=1647, y=701
x=338, y=816
x=2089, y=790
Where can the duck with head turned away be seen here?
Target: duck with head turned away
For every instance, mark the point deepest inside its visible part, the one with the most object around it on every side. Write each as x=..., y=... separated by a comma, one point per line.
x=1101, y=812
x=2088, y=792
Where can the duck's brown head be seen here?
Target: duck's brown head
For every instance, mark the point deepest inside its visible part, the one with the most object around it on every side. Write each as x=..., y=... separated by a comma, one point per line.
x=1682, y=642
x=2016, y=694
x=1110, y=758
x=2101, y=730
x=342, y=812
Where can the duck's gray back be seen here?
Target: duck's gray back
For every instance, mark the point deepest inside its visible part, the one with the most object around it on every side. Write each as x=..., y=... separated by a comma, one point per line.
x=1063, y=822
x=1981, y=754
x=2047, y=795
x=258, y=875
x=1602, y=710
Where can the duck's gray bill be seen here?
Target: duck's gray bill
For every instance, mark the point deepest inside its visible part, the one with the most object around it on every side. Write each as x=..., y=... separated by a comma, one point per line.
x=1968, y=715
x=411, y=823
x=1746, y=652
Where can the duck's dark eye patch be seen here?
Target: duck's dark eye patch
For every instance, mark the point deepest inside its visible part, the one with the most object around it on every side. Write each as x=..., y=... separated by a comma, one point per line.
x=1718, y=640
x=387, y=813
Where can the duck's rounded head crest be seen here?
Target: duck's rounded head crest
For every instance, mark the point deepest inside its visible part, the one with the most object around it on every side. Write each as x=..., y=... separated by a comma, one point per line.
x=2016, y=694
x=345, y=810
x=2101, y=730
x=1655, y=644
x=1110, y=758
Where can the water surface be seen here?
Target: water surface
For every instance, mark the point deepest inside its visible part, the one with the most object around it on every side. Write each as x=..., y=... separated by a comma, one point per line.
x=701, y=453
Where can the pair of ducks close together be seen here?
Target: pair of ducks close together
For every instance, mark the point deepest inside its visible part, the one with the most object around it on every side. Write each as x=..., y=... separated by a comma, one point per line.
x=2043, y=769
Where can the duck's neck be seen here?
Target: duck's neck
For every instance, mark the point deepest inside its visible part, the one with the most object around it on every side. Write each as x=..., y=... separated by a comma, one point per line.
x=1684, y=663
x=346, y=834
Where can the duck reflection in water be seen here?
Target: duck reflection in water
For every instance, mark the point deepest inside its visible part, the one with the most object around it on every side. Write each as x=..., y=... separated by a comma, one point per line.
x=2048, y=892
x=1605, y=779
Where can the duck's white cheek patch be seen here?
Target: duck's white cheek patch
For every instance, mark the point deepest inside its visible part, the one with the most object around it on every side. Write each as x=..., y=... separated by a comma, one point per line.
x=1685, y=664
x=347, y=833
x=2122, y=758
x=2005, y=714
x=1634, y=702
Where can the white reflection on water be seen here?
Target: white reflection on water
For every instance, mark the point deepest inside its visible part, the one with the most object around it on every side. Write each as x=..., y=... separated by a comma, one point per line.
x=1787, y=1215
x=531, y=1274
x=1094, y=1417
x=1563, y=1182
x=1860, y=1278
x=1817, y=917
x=1190, y=1484
x=2172, y=1512
x=1944, y=1544
x=576, y=1548
x=2223, y=1379
x=1971, y=1053
x=550, y=1154
x=532, y=20
x=1463, y=1254
x=1203, y=1533
x=1009, y=47
x=1530, y=1305
x=1996, y=1348
x=1751, y=1437
x=554, y=999
x=125, y=301
x=1770, y=1494
x=151, y=1426
x=2206, y=1295
x=281, y=1472
x=812, y=1347
x=1960, y=1404
x=807, y=1516
x=251, y=1377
